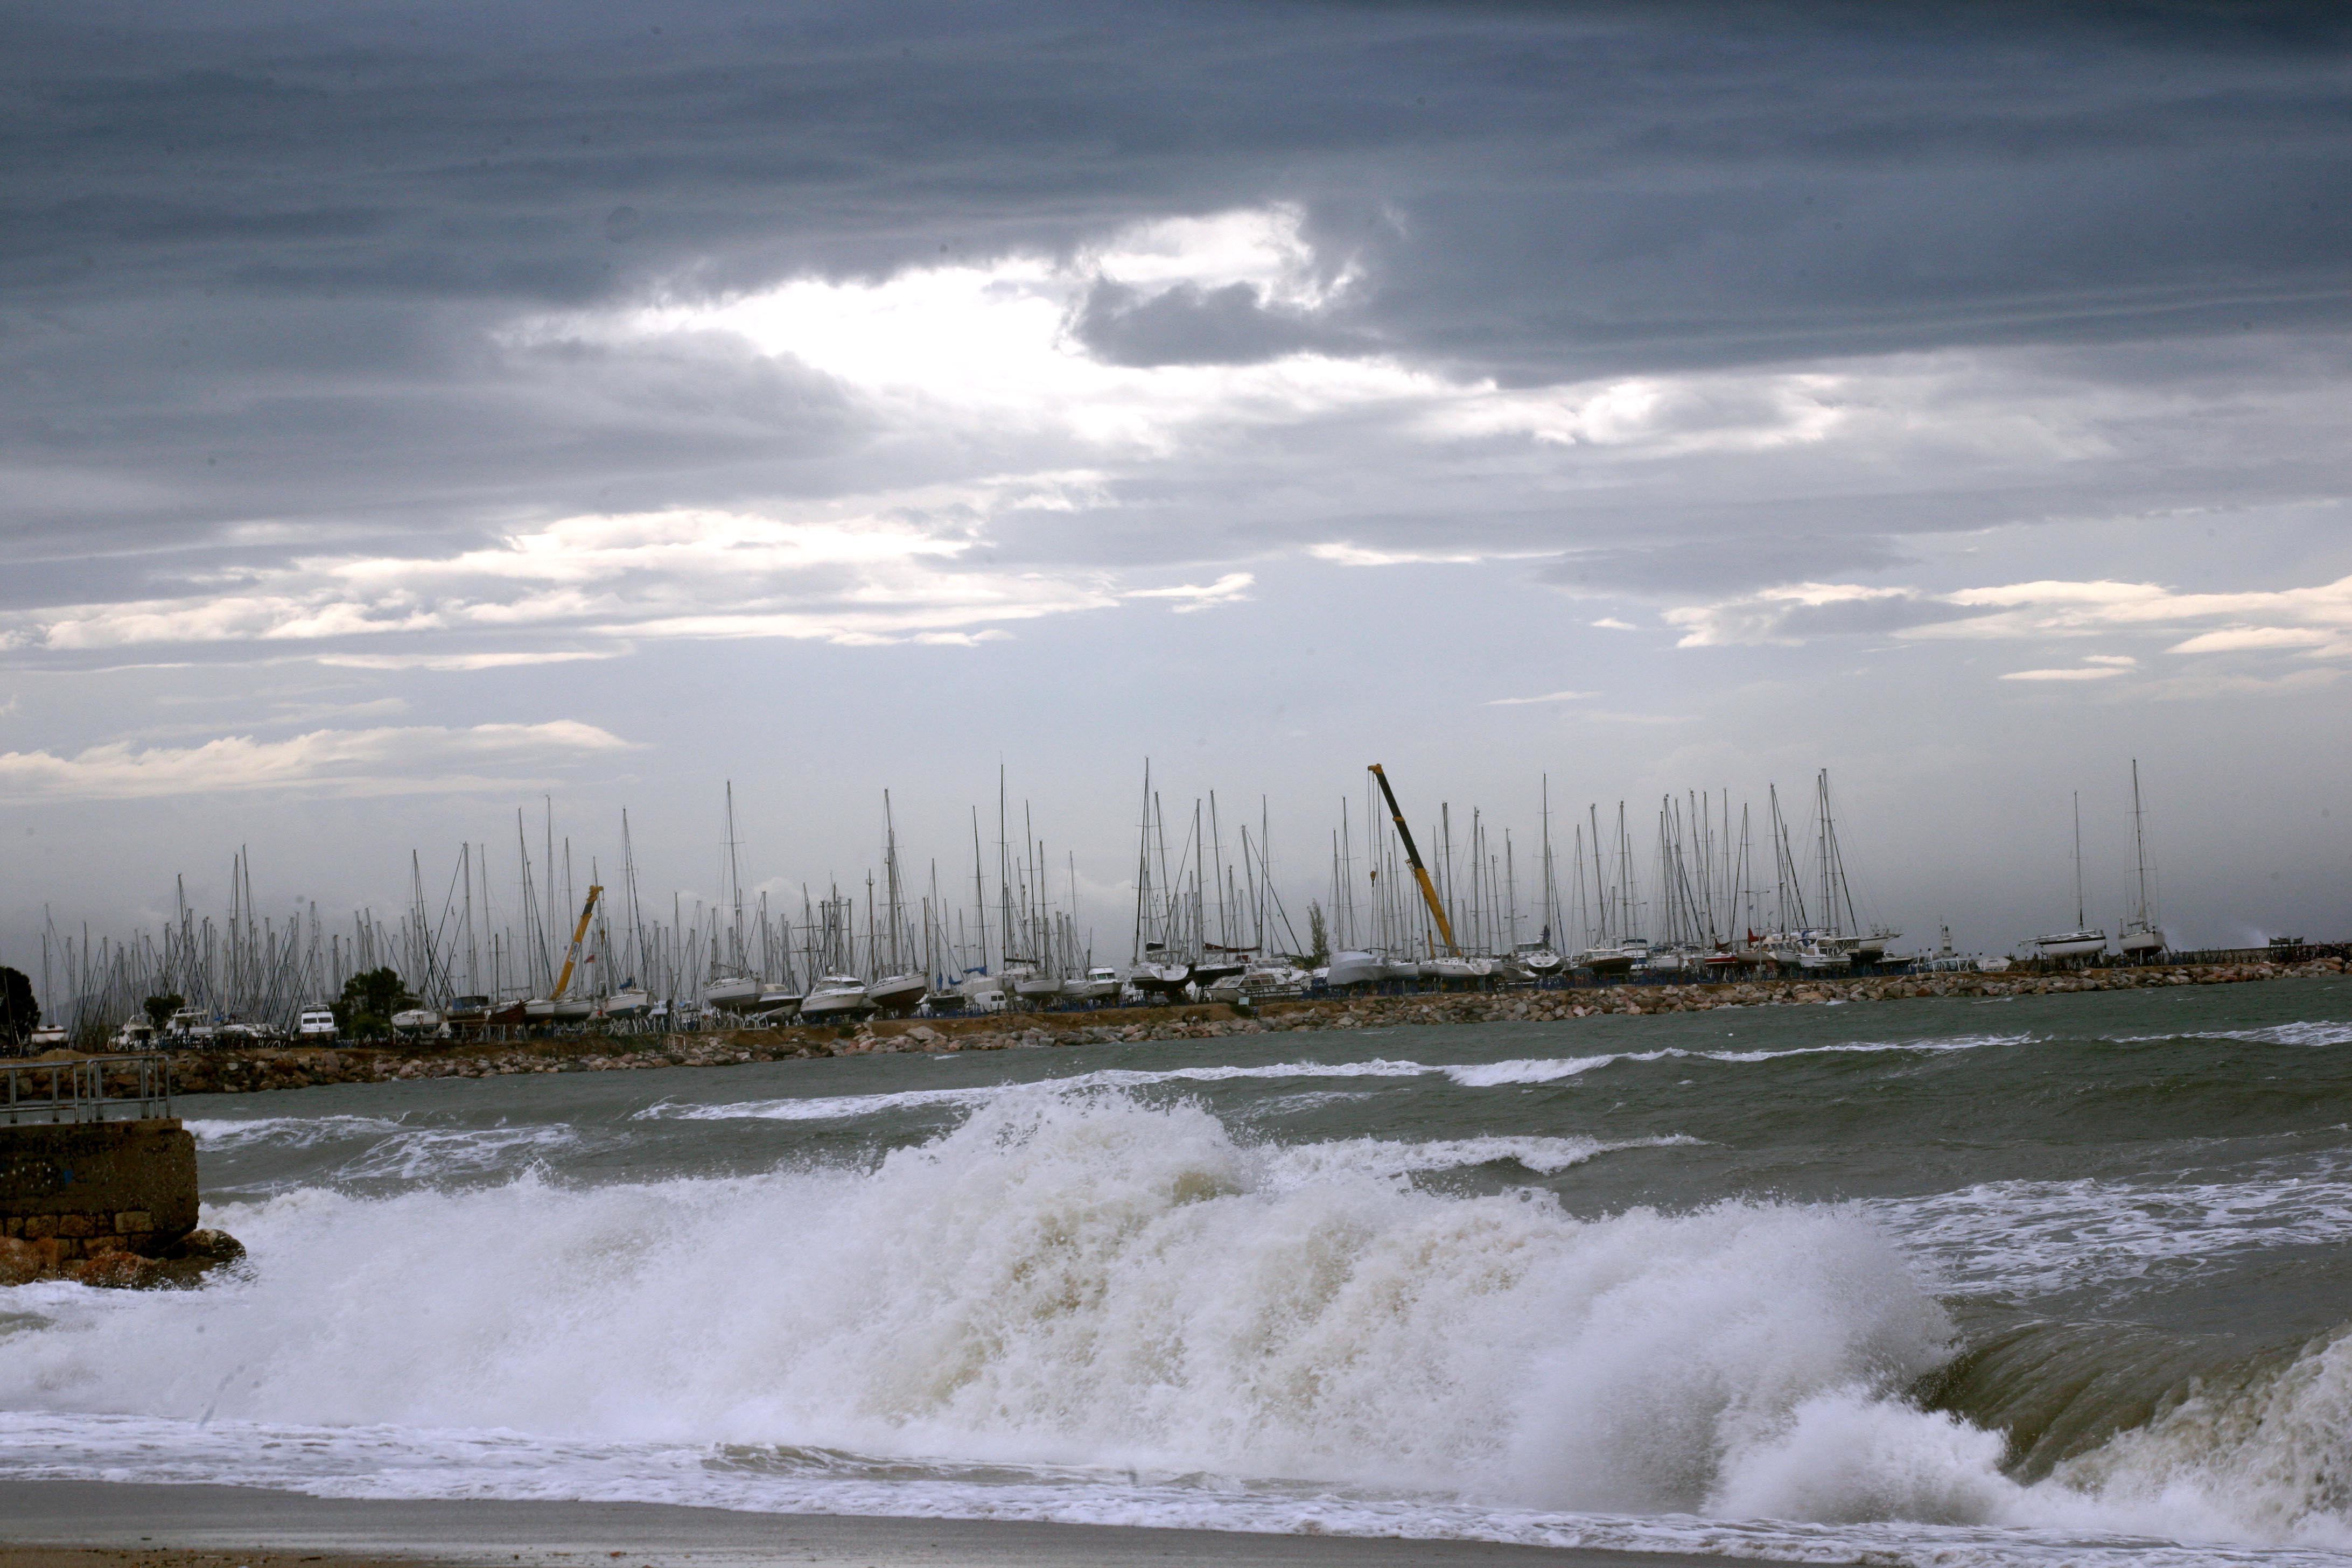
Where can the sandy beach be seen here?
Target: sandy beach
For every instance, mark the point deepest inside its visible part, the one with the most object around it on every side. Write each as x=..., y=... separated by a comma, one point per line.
x=96, y=1524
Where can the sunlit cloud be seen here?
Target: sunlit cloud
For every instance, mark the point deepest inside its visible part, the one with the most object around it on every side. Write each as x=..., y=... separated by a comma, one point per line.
x=1547, y=697
x=1225, y=590
x=409, y=759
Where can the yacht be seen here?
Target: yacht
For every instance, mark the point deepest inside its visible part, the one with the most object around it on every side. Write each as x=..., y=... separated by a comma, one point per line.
x=1099, y=985
x=897, y=994
x=836, y=998
x=1356, y=968
x=2082, y=941
x=2141, y=936
x=315, y=1023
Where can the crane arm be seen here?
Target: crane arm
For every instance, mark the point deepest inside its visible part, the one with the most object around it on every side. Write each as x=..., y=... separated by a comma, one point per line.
x=1412, y=859
x=579, y=935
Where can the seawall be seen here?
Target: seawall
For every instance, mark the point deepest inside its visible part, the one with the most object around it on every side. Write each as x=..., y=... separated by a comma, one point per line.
x=243, y=1071
x=81, y=1190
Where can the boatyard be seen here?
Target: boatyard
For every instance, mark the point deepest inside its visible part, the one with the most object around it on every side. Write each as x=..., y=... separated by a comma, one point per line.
x=1703, y=895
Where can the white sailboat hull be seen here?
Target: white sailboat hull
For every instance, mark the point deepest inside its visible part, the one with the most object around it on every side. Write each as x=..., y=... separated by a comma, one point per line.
x=2072, y=945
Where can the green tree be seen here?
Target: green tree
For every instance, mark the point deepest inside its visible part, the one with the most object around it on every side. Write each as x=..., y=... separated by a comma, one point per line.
x=370, y=999
x=1318, y=937
x=159, y=1009
x=18, y=1013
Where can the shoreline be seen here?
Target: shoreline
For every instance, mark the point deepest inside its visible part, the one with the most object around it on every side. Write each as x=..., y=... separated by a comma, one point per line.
x=302, y=1066
x=113, y=1524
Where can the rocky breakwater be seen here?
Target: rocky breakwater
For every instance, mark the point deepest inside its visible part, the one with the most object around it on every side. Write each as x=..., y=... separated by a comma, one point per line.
x=239, y=1072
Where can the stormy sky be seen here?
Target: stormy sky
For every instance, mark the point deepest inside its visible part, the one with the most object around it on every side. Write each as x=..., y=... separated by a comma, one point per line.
x=417, y=412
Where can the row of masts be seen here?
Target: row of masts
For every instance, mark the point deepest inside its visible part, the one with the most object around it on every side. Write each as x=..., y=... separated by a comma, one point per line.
x=1685, y=879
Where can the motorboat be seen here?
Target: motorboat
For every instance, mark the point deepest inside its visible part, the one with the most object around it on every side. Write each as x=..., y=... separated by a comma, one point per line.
x=897, y=995
x=1101, y=984
x=836, y=998
x=1606, y=960
x=136, y=1035
x=315, y=1023
x=1274, y=982
x=777, y=1002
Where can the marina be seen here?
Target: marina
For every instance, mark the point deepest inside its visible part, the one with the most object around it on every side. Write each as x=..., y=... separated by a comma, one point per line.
x=1702, y=893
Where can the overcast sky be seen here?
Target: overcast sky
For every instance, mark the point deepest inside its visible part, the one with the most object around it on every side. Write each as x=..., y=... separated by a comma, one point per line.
x=413, y=411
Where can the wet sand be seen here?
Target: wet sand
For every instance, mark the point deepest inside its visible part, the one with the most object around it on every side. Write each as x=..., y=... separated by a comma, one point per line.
x=94, y=1524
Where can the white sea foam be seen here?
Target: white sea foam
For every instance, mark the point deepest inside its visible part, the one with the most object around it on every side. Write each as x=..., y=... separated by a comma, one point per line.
x=836, y=1107
x=1523, y=1070
x=225, y=1133
x=1069, y=1287
x=1302, y=1162
x=2303, y=1032
x=2026, y=1238
x=388, y=1149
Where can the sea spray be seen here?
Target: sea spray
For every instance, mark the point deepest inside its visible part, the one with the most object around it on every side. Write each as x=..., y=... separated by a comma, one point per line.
x=1065, y=1279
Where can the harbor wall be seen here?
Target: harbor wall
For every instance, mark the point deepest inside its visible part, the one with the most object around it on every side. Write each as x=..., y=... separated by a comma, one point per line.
x=81, y=1190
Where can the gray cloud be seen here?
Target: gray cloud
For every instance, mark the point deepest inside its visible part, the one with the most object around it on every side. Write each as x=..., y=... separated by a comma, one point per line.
x=1191, y=325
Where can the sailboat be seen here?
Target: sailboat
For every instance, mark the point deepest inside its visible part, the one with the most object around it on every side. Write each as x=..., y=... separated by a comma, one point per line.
x=895, y=991
x=2141, y=936
x=731, y=987
x=2082, y=941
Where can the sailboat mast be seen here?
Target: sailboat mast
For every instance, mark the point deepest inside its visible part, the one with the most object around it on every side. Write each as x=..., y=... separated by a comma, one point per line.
x=2082, y=918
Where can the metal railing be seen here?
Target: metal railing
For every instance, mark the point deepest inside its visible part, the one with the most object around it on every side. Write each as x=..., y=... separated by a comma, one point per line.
x=90, y=1088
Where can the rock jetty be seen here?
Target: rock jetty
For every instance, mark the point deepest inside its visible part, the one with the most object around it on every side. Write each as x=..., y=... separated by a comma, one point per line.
x=244, y=1071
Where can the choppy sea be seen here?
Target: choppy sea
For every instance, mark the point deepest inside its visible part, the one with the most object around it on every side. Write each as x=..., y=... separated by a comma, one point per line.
x=2041, y=1280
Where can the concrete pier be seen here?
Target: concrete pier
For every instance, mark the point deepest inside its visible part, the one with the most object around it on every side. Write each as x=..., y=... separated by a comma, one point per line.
x=80, y=1189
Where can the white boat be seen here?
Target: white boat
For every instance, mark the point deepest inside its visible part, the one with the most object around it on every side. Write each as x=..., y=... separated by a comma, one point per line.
x=631, y=1001
x=733, y=992
x=1101, y=984
x=1460, y=969
x=315, y=1023
x=538, y=1010
x=897, y=994
x=1538, y=959
x=1272, y=981
x=136, y=1035
x=1356, y=968
x=47, y=1036
x=1160, y=981
x=2141, y=936
x=2082, y=941
x=2070, y=943
x=836, y=998
x=777, y=1002
x=573, y=1009
x=1608, y=960
x=1032, y=986
x=416, y=1020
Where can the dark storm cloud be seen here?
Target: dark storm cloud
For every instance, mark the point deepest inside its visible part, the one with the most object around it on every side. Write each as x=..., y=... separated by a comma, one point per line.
x=252, y=260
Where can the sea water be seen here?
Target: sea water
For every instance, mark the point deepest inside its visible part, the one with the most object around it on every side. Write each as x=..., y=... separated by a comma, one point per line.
x=2032, y=1280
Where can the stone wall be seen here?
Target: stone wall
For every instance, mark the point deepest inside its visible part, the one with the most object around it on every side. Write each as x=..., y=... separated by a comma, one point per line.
x=85, y=1189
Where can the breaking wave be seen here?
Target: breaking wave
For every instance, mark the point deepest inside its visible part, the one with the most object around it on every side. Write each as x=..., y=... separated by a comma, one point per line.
x=1100, y=1288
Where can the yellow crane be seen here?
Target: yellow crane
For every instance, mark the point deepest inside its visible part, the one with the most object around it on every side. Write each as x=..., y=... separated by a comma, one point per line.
x=1420, y=871
x=579, y=935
